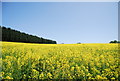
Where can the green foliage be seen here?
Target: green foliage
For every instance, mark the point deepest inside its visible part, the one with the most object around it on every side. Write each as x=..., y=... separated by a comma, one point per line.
x=79, y=43
x=11, y=35
x=115, y=41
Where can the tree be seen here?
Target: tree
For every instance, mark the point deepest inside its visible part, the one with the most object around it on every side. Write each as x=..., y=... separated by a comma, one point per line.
x=11, y=35
x=115, y=41
x=79, y=43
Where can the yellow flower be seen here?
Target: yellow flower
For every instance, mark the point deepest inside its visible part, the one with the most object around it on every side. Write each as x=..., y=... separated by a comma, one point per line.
x=8, y=77
x=49, y=75
x=112, y=78
x=98, y=77
x=72, y=69
x=41, y=75
x=61, y=60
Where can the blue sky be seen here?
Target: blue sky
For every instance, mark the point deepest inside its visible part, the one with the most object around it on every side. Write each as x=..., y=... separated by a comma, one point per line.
x=0, y=13
x=65, y=22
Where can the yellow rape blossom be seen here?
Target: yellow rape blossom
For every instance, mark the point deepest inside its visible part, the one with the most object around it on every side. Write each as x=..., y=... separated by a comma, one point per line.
x=59, y=61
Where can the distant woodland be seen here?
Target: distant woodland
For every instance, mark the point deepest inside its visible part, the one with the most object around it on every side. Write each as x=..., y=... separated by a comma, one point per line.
x=115, y=41
x=12, y=35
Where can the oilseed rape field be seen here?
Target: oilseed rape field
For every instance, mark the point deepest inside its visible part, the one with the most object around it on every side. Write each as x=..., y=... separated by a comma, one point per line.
x=60, y=61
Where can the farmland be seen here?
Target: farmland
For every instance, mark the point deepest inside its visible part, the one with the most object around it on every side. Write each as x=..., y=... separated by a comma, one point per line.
x=59, y=61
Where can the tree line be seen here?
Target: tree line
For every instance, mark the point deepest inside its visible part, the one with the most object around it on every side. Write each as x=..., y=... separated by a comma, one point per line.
x=12, y=35
x=115, y=41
